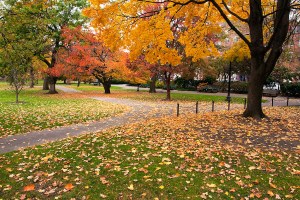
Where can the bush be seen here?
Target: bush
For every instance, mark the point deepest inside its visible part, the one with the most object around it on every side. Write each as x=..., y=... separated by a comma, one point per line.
x=239, y=87
x=290, y=89
x=184, y=84
x=236, y=87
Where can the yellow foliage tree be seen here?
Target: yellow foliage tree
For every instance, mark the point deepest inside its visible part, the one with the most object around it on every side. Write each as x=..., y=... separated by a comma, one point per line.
x=146, y=26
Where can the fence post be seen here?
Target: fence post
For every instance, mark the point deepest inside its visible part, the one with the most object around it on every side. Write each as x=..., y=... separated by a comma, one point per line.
x=245, y=103
x=177, y=109
x=213, y=106
x=197, y=107
x=272, y=101
x=229, y=101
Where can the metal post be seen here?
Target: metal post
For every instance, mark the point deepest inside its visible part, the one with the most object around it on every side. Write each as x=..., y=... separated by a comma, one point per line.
x=197, y=107
x=213, y=106
x=272, y=101
x=177, y=109
x=245, y=103
x=229, y=86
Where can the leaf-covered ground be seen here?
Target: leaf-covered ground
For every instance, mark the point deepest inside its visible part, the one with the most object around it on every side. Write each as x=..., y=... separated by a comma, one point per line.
x=40, y=111
x=208, y=156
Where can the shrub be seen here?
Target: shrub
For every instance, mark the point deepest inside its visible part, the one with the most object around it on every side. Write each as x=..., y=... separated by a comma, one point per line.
x=290, y=89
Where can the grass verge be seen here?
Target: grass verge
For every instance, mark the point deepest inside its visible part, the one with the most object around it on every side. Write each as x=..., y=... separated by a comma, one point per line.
x=40, y=111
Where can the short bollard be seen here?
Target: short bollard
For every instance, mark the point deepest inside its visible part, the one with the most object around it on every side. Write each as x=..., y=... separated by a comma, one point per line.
x=213, y=106
x=245, y=103
x=197, y=107
x=229, y=101
x=178, y=110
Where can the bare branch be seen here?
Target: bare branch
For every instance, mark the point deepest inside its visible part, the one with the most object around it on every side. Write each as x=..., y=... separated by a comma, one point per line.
x=239, y=33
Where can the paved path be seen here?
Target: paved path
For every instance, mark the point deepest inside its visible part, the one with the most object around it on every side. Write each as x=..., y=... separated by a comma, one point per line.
x=277, y=101
x=67, y=89
x=139, y=111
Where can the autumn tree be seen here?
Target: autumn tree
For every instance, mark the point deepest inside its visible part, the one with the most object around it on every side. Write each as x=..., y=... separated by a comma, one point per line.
x=83, y=54
x=55, y=16
x=263, y=25
x=20, y=37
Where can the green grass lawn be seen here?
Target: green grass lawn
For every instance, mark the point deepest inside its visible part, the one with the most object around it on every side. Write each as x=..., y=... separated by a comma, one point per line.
x=89, y=87
x=185, y=97
x=167, y=158
x=40, y=111
x=143, y=95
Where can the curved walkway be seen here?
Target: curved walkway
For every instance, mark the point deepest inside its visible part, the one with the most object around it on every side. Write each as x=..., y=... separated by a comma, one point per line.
x=139, y=111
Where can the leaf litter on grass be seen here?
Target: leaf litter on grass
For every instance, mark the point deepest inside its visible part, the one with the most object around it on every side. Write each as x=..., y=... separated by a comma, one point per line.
x=208, y=156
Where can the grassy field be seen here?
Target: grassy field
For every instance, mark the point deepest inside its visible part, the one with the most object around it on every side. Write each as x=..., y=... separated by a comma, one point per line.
x=40, y=111
x=144, y=96
x=169, y=158
x=91, y=88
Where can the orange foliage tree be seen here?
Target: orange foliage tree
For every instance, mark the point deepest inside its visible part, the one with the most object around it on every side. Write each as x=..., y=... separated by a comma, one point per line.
x=84, y=55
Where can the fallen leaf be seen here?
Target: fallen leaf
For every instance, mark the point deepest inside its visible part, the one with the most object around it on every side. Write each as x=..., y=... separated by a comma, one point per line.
x=28, y=188
x=69, y=186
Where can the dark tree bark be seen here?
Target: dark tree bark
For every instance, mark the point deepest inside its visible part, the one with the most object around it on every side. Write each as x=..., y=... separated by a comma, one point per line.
x=264, y=56
x=168, y=85
x=31, y=71
x=152, y=84
x=46, y=83
x=78, y=83
x=106, y=85
x=52, y=83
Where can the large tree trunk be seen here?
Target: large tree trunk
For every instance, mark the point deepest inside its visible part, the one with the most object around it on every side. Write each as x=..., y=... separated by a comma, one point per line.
x=31, y=77
x=46, y=83
x=255, y=89
x=52, y=83
x=106, y=85
x=152, y=85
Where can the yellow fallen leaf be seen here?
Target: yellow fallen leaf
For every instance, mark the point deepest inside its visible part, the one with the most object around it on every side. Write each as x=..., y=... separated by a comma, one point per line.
x=211, y=185
x=161, y=187
x=270, y=193
x=131, y=187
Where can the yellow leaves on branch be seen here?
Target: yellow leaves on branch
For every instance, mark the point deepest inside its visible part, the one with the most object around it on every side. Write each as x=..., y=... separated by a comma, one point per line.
x=238, y=52
x=145, y=28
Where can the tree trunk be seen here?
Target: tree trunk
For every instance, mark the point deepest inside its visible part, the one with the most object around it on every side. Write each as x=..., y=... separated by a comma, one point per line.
x=168, y=83
x=152, y=85
x=255, y=89
x=52, y=82
x=46, y=83
x=78, y=83
x=31, y=78
x=106, y=85
x=65, y=81
x=17, y=96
